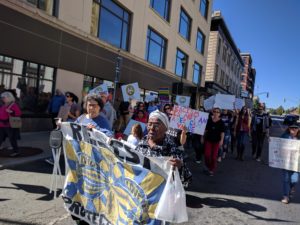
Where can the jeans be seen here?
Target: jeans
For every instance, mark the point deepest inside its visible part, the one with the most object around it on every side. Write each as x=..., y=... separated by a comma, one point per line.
x=289, y=180
x=225, y=146
x=241, y=141
x=257, y=143
x=210, y=155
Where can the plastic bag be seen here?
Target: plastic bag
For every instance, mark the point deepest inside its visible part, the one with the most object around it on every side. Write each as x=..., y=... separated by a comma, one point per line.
x=172, y=204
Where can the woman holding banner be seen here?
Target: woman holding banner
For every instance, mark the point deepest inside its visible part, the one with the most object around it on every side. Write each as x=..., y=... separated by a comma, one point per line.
x=290, y=178
x=213, y=139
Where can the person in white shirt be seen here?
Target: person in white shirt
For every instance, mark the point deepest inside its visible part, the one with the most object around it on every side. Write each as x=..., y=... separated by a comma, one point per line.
x=136, y=134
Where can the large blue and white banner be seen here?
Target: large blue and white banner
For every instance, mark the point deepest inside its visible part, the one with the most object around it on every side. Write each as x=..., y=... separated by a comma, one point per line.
x=110, y=183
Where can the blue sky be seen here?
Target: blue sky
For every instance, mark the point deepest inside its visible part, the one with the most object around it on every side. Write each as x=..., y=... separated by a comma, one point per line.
x=270, y=31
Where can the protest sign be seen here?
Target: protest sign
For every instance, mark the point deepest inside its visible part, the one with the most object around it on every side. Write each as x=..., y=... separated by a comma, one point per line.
x=249, y=103
x=194, y=120
x=150, y=98
x=209, y=103
x=183, y=100
x=102, y=88
x=64, y=112
x=224, y=101
x=131, y=91
x=109, y=183
x=284, y=154
x=127, y=131
x=239, y=103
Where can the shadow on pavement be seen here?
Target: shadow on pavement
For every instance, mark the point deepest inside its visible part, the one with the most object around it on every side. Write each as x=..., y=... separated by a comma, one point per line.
x=8, y=221
x=244, y=207
x=36, y=189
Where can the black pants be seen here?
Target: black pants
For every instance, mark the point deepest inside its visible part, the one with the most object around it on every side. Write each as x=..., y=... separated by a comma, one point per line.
x=12, y=134
x=198, y=147
x=53, y=115
x=258, y=139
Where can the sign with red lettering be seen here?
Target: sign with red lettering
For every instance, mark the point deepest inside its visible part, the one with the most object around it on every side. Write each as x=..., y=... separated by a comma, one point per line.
x=194, y=120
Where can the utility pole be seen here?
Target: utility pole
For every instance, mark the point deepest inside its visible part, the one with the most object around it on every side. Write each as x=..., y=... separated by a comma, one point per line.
x=117, y=75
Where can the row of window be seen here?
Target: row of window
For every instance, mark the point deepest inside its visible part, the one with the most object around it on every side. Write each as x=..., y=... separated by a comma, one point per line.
x=163, y=7
x=224, y=80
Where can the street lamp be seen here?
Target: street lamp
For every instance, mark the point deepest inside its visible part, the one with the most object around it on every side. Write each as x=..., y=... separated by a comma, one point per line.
x=117, y=75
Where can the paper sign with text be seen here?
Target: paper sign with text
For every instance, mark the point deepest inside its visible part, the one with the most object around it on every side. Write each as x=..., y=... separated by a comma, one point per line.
x=239, y=103
x=183, y=100
x=209, y=103
x=194, y=120
x=131, y=91
x=224, y=101
x=284, y=154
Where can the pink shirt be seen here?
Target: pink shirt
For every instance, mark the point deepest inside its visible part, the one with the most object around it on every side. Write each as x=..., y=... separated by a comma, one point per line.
x=4, y=116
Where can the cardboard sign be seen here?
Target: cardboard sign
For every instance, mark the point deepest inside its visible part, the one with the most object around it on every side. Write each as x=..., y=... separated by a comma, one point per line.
x=284, y=154
x=209, y=103
x=63, y=112
x=183, y=100
x=194, y=120
x=224, y=101
x=127, y=131
x=131, y=91
x=239, y=103
x=99, y=90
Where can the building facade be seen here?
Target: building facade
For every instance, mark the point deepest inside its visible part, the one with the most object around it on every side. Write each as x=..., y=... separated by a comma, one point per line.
x=247, y=77
x=224, y=63
x=73, y=45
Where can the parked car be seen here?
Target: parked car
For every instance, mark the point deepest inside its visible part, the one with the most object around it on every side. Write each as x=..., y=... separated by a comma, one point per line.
x=290, y=118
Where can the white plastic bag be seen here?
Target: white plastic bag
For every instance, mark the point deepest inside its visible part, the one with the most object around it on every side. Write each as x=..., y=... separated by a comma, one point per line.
x=172, y=204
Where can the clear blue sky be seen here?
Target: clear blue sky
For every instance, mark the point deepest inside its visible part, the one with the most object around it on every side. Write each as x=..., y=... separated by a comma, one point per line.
x=270, y=31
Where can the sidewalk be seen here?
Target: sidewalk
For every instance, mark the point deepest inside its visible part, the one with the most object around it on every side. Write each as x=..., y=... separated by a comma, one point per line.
x=29, y=139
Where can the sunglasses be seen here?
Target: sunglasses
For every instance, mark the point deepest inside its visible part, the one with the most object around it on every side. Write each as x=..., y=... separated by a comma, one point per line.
x=167, y=108
x=68, y=96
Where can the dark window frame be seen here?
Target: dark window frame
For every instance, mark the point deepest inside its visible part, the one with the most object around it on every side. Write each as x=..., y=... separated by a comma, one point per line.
x=185, y=69
x=206, y=5
x=167, y=9
x=55, y=7
x=203, y=39
x=129, y=23
x=163, y=46
x=182, y=10
x=199, y=74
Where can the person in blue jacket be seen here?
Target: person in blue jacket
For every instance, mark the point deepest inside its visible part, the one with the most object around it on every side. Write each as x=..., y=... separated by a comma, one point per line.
x=290, y=178
x=55, y=103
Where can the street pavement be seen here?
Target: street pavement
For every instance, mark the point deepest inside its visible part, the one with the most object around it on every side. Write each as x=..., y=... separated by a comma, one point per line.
x=247, y=192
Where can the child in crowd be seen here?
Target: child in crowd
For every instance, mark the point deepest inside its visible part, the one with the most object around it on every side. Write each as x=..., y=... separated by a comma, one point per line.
x=136, y=134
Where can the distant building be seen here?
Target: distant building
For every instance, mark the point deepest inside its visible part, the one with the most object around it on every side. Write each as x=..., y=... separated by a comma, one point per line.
x=224, y=63
x=248, y=76
x=74, y=46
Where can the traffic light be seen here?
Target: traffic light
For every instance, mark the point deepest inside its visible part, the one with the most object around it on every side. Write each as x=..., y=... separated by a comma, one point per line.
x=267, y=94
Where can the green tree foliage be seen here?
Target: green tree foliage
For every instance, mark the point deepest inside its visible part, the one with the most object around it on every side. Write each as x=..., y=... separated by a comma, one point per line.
x=280, y=110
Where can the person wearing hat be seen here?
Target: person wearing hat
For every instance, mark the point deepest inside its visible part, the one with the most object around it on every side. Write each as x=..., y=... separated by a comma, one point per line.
x=156, y=143
x=290, y=178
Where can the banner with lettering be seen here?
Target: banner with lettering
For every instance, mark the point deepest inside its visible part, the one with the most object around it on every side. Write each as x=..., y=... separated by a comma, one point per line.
x=284, y=154
x=109, y=183
x=194, y=120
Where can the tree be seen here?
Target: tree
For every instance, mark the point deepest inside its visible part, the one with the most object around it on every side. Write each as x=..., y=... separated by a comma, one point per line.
x=255, y=102
x=280, y=110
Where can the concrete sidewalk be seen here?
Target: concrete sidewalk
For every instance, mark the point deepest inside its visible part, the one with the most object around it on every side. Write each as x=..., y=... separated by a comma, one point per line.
x=29, y=139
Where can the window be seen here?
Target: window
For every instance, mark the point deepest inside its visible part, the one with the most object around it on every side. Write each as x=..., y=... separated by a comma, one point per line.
x=162, y=7
x=204, y=8
x=224, y=54
x=185, y=25
x=33, y=84
x=181, y=63
x=49, y=6
x=217, y=73
x=219, y=45
x=197, y=73
x=110, y=23
x=156, y=48
x=200, y=43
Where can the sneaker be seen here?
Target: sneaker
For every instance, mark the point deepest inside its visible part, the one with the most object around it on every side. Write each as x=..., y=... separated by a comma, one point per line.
x=198, y=161
x=14, y=154
x=292, y=192
x=211, y=173
x=258, y=159
x=224, y=155
x=219, y=159
x=10, y=148
x=49, y=161
x=285, y=200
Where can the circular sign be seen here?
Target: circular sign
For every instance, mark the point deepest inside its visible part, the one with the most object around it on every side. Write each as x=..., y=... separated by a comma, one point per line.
x=130, y=90
x=182, y=100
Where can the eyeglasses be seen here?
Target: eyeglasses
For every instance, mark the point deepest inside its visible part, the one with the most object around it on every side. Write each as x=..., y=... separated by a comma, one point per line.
x=216, y=111
x=294, y=128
